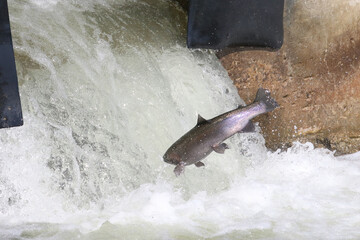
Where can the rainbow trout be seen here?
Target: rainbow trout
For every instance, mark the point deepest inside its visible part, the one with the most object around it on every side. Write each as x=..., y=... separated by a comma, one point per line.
x=208, y=135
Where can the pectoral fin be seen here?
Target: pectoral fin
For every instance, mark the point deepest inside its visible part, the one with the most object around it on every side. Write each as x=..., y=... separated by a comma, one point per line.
x=179, y=169
x=199, y=164
x=220, y=148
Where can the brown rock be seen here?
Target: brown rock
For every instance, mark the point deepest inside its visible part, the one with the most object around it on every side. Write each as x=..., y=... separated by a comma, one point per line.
x=315, y=77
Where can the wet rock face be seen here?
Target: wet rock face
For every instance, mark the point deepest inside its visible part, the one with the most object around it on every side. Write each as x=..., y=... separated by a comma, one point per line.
x=315, y=77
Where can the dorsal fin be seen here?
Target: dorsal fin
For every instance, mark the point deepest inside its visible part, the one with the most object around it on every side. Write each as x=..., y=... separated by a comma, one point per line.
x=201, y=119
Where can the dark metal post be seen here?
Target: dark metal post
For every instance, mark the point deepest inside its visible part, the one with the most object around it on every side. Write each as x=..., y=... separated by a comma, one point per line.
x=10, y=105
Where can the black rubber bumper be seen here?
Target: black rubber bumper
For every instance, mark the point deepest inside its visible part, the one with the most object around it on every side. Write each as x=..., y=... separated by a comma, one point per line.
x=219, y=24
x=10, y=105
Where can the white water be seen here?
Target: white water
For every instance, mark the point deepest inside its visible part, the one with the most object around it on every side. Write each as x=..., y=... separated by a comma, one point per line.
x=106, y=87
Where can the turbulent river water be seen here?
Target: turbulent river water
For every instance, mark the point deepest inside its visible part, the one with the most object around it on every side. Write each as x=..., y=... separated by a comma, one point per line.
x=106, y=87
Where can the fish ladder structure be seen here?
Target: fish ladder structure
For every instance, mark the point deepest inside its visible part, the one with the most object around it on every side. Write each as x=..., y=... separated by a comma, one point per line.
x=10, y=105
x=245, y=24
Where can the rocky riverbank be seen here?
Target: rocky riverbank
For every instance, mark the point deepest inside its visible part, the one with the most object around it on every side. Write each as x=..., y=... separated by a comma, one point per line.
x=315, y=77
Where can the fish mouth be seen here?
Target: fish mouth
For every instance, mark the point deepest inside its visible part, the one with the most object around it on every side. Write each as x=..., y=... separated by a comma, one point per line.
x=169, y=160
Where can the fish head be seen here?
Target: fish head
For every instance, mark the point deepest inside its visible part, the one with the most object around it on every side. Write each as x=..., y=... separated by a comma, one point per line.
x=171, y=157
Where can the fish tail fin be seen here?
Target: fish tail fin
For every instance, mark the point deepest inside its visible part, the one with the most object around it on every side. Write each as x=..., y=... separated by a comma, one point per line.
x=263, y=95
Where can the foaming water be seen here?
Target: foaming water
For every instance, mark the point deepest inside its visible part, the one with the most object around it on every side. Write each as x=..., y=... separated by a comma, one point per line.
x=303, y=193
x=106, y=88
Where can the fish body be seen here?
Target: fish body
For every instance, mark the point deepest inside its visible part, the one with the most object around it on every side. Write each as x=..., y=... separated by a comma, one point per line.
x=208, y=135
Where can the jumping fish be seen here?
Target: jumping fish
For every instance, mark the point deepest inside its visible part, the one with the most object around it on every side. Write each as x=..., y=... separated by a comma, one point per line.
x=208, y=135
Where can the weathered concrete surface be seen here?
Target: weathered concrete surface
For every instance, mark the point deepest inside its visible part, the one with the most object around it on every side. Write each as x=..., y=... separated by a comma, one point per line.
x=315, y=77
x=184, y=4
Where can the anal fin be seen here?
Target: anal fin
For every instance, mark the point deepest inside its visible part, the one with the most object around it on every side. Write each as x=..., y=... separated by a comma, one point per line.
x=220, y=148
x=248, y=128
